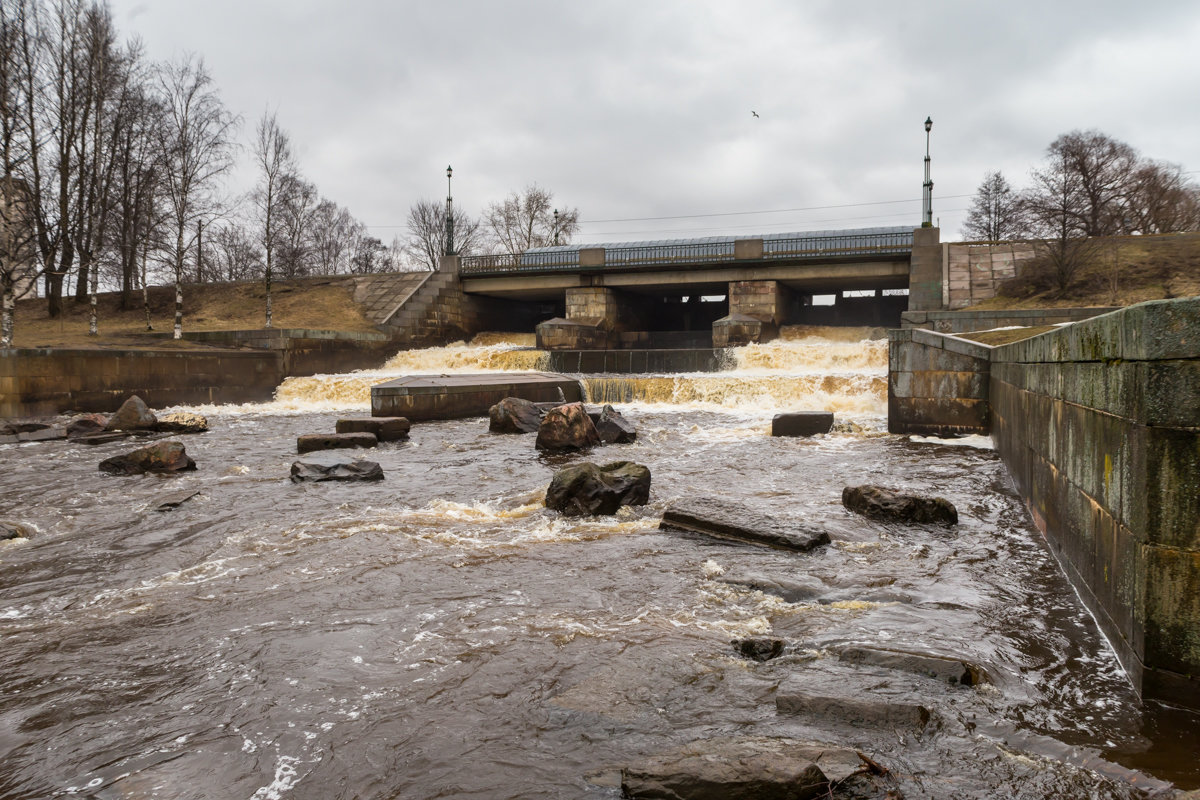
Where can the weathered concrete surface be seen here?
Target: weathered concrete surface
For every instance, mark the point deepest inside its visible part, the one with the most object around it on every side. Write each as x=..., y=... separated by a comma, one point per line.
x=729, y=521
x=986, y=320
x=1100, y=425
x=937, y=384
x=423, y=397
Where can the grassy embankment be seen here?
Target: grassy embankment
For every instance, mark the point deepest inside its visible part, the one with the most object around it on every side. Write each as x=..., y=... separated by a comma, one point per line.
x=307, y=303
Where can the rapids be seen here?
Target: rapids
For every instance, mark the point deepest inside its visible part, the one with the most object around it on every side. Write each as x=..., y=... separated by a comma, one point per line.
x=441, y=634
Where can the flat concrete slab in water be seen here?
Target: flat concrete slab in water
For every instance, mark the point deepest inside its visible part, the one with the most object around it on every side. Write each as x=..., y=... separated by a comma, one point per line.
x=423, y=397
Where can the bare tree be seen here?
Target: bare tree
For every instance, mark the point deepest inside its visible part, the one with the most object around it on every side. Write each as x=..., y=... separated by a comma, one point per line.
x=18, y=256
x=1103, y=170
x=273, y=152
x=1162, y=200
x=996, y=214
x=298, y=200
x=528, y=219
x=426, y=241
x=196, y=147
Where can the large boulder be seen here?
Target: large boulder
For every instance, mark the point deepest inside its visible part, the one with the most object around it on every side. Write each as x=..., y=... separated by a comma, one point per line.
x=613, y=428
x=877, y=502
x=333, y=441
x=386, y=429
x=567, y=428
x=737, y=768
x=725, y=520
x=333, y=468
x=161, y=457
x=133, y=415
x=515, y=415
x=181, y=422
x=587, y=489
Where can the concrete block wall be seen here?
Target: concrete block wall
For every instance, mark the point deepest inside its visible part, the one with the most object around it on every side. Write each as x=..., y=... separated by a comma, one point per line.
x=43, y=382
x=937, y=385
x=766, y=301
x=974, y=271
x=1100, y=425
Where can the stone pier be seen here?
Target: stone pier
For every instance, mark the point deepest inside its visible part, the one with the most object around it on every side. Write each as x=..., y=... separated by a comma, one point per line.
x=756, y=310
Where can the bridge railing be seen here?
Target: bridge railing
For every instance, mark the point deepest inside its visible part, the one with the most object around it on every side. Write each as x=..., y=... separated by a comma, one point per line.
x=695, y=252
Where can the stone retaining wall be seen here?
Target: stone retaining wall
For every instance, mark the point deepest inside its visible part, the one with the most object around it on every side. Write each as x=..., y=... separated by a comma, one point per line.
x=986, y=320
x=43, y=382
x=974, y=271
x=1099, y=424
x=46, y=381
x=937, y=385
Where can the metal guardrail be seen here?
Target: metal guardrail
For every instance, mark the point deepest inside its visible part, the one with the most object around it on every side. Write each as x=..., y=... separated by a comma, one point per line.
x=695, y=252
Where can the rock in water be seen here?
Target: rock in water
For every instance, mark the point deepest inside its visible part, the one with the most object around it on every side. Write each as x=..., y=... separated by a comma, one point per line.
x=567, y=428
x=181, y=422
x=758, y=649
x=586, y=489
x=802, y=423
x=86, y=425
x=332, y=468
x=172, y=500
x=13, y=530
x=515, y=415
x=942, y=668
x=160, y=457
x=386, y=429
x=133, y=415
x=333, y=441
x=887, y=504
x=731, y=521
x=750, y=768
x=613, y=428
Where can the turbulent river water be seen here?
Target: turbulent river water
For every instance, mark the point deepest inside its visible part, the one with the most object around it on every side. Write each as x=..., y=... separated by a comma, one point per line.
x=440, y=634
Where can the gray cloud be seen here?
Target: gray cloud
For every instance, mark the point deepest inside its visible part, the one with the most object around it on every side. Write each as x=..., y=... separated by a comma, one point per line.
x=642, y=109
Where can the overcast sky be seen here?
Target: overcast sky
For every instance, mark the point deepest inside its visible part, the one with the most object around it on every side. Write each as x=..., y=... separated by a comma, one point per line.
x=635, y=111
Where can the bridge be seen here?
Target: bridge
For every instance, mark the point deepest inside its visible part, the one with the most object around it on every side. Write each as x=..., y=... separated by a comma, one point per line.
x=740, y=288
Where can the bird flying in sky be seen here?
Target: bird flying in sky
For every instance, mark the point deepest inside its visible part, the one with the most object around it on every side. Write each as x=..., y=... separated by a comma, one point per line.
x=755, y=113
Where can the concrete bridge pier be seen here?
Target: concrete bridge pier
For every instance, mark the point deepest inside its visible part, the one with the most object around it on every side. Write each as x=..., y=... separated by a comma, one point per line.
x=595, y=317
x=756, y=310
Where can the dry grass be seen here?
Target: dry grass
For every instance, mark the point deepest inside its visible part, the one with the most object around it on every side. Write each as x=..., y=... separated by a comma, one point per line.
x=1121, y=271
x=1005, y=336
x=325, y=304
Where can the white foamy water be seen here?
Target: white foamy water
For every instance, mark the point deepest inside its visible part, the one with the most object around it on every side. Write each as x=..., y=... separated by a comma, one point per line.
x=826, y=369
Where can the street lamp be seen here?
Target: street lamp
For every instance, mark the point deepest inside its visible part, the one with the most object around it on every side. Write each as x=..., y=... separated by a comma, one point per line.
x=556, y=227
x=927, y=194
x=449, y=214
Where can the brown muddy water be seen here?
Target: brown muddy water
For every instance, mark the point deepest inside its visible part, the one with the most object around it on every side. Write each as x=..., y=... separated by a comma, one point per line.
x=442, y=635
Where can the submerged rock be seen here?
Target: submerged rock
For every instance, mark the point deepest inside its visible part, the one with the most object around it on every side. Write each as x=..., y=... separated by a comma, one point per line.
x=724, y=520
x=567, y=428
x=160, y=457
x=133, y=415
x=802, y=423
x=48, y=434
x=950, y=670
x=386, y=429
x=613, y=428
x=742, y=768
x=758, y=649
x=86, y=425
x=800, y=589
x=181, y=422
x=888, y=504
x=333, y=441
x=332, y=468
x=860, y=709
x=515, y=415
x=172, y=500
x=587, y=489
x=13, y=530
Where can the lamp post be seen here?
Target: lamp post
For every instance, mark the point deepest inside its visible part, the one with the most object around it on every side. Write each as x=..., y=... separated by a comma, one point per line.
x=927, y=194
x=556, y=227
x=450, y=214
